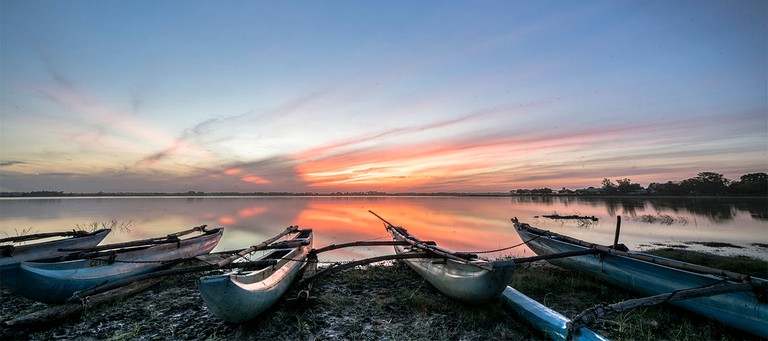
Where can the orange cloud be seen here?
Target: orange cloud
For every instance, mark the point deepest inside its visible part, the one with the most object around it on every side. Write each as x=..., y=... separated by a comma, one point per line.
x=233, y=171
x=254, y=179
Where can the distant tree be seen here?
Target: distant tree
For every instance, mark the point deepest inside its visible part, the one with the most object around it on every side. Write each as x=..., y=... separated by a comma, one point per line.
x=750, y=184
x=626, y=186
x=608, y=186
x=706, y=183
x=668, y=188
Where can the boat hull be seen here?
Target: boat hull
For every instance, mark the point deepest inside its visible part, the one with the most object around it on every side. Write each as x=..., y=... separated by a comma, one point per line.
x=50, y=249
x=741, y=310
x=242, y=295
x=463, y=281
x=55, y=282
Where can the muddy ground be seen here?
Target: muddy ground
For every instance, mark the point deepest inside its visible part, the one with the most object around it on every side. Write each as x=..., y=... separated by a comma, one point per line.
x=372, y=303
x=378, y=303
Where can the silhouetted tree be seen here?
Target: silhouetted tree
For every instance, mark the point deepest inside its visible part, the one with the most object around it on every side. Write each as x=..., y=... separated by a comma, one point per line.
x=608, y=186
x=750, y=184
x=706, y=183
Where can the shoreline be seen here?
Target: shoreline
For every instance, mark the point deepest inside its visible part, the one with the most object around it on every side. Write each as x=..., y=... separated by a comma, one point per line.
x=378, y=302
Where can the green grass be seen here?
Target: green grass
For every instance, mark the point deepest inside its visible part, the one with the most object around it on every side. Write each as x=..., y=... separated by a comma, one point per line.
x=740, y=264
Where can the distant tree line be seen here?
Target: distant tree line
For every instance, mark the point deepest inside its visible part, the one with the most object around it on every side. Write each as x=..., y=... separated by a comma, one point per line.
x=703, y=184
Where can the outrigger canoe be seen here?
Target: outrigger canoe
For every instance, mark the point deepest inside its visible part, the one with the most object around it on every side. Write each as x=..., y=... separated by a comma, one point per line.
x=242, y=295
x=56, y=280
x=15, y=252
x=652, y=275
x=461, y=276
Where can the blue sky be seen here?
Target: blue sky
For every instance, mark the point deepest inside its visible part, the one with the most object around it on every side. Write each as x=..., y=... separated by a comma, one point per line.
x=392, y=96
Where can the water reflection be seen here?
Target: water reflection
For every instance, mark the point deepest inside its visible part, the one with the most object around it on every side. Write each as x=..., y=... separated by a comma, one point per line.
x=457, y=223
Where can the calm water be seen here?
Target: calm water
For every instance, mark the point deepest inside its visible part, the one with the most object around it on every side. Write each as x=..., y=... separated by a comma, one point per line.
x=457, y=223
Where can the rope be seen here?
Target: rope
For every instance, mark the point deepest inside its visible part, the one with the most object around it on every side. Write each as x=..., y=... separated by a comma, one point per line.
x=506, y=248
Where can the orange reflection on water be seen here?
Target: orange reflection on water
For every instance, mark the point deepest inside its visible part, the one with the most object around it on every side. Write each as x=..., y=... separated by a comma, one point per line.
x=347, y=221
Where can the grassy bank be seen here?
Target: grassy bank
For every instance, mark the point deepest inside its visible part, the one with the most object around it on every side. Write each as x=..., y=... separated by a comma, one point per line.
x=372, y=303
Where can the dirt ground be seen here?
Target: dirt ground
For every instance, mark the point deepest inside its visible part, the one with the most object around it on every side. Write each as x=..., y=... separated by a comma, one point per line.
x=376, y=303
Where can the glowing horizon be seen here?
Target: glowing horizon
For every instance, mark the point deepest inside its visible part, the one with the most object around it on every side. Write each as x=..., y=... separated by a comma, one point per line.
x=405, y=97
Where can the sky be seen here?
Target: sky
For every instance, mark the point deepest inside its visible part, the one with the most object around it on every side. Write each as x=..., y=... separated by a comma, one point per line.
x=394, y=96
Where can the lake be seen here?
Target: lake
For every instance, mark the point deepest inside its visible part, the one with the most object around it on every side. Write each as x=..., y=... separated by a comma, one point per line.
x=458, y=223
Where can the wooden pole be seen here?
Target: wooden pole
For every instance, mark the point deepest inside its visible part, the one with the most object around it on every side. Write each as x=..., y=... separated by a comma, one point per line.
x=169, y=272
x=28, y=237
x=618, y=230
x=334, y=269
x=592, y=314
x=264, y=244
x=148, y=241
x=403, y=234
x=361, y=243
x=69, y=309
x=556, y=255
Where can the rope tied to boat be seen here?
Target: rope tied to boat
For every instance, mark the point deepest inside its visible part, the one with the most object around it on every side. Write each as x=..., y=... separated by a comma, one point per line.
x=508, y=247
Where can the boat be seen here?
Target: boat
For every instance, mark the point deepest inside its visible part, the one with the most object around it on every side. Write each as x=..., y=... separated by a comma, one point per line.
x=56, y=280
x=652, y=275
x=15, y=251
x=461, y=276
x=552, y=323
x=240, y=295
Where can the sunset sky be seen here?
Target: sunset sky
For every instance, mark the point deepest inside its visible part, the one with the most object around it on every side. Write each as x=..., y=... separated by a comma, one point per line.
x=392, y=96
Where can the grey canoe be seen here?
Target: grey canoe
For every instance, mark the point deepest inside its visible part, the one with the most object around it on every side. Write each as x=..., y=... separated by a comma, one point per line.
x=14, y=252
x=462, y=277
x=645, y=274
x=242, y=295
x=56, y=281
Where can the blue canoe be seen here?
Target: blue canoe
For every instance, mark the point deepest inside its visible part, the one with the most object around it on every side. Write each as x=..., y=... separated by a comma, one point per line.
x=242, y=295
x=651, y=275
x=15, y=252
x=54, y=281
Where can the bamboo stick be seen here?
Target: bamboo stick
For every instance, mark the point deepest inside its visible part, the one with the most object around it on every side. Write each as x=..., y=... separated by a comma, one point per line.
x=361, y=243
x=27, y=237
x=415, y=242
x=264, y=244
x=169, y=272
x=69, y=309
x=334, y=269
x=592, y=314
x=148, y=241
x=555, y=256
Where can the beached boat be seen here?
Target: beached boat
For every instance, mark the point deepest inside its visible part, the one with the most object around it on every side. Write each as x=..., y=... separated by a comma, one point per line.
x=242, y=295
x=15, y=251
x=461, y=276
x=56, y=280
x=651, y=275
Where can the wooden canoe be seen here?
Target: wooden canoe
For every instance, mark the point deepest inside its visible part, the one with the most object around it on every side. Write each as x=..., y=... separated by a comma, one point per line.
x=651, y=275
x=463, y=277
x=54, y=281
x=242, y=295
x=15, y=252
